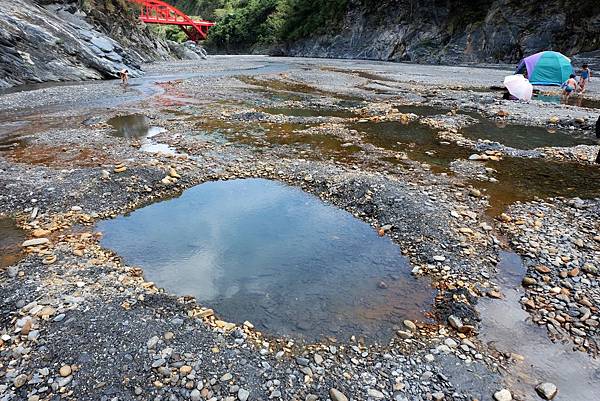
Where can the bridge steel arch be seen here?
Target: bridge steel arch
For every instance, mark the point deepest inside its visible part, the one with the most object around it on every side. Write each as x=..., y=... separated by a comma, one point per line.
x=159, y=12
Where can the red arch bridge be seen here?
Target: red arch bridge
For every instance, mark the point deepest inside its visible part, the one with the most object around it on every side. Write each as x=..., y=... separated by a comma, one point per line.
x=159, y=12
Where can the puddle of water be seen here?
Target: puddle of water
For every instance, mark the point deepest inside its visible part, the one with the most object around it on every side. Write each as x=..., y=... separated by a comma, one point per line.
x=11, y=238
x=261, y=251
x=578, y=101
x=151, y=147
x=260, y=135
x=507, y=327
x=15, y=129
x=393, y=135
x=133, y=126
x=11, y=134
x=526, y=179
x=419, y=141
x=524, y=137
x=301, y=112
x=137, y=126
x=438, y=155
x=314, y=146
x=323, y=145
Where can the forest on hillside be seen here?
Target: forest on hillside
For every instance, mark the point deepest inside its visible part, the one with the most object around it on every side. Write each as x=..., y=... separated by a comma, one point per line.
x=243, y=24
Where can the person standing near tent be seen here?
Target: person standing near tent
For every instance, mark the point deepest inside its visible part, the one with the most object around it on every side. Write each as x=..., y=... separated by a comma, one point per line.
x=585, y=77
x=569, y=87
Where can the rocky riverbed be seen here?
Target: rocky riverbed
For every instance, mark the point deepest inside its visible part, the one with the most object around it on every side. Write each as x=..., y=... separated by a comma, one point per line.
x=385, y=142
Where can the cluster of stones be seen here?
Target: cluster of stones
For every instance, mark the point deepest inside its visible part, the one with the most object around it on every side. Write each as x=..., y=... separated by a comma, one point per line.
x=563, y=266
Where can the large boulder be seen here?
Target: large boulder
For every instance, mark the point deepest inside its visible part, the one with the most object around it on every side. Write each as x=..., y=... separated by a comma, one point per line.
x=43, y=41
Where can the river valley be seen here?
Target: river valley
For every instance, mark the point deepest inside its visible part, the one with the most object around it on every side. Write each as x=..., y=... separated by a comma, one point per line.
x=253, y=228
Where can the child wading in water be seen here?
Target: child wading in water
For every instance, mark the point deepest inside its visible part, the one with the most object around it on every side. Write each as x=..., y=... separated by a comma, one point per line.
x=586, y=76
x=124, y=74
x=569, y=86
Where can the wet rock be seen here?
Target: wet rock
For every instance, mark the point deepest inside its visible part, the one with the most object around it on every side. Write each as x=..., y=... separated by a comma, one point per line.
x=103, y=44
x=337, y=395
x=547, y=390
x=542, y=269
x=503, y=395
x=152, y=342
x=302, y=361
x=35, y=242
x=438, y=396
x=455, y=322
x=65, y=370
x=12, y=271
x=243, y=394
x=404, y=334
x=410, y=326
x=158, y=362
x=451, y=343
x=20, y=380
x=195, y=395
x=375, y=394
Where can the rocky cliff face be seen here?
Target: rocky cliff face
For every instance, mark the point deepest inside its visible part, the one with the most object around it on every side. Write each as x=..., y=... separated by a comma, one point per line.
x=450, y=31
x=48, y=40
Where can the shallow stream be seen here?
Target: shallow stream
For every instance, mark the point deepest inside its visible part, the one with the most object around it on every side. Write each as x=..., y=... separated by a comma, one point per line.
x=525, y=137
x=576, y=374
x=518, y=179
x=11, y=238
x=137, y=126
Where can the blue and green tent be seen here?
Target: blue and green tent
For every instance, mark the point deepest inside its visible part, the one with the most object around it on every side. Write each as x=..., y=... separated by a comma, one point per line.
x=546, y=68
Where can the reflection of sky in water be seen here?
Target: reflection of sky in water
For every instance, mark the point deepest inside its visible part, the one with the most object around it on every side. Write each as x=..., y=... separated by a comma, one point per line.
x=133, y=126
x=152, y=147
x=258, y=250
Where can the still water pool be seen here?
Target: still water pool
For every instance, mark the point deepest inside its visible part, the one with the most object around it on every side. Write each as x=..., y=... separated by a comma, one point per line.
x=261, y=251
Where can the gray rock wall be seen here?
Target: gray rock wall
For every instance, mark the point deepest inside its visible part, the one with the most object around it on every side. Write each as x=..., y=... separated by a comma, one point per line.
x=451, y=31
x=55, y=42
